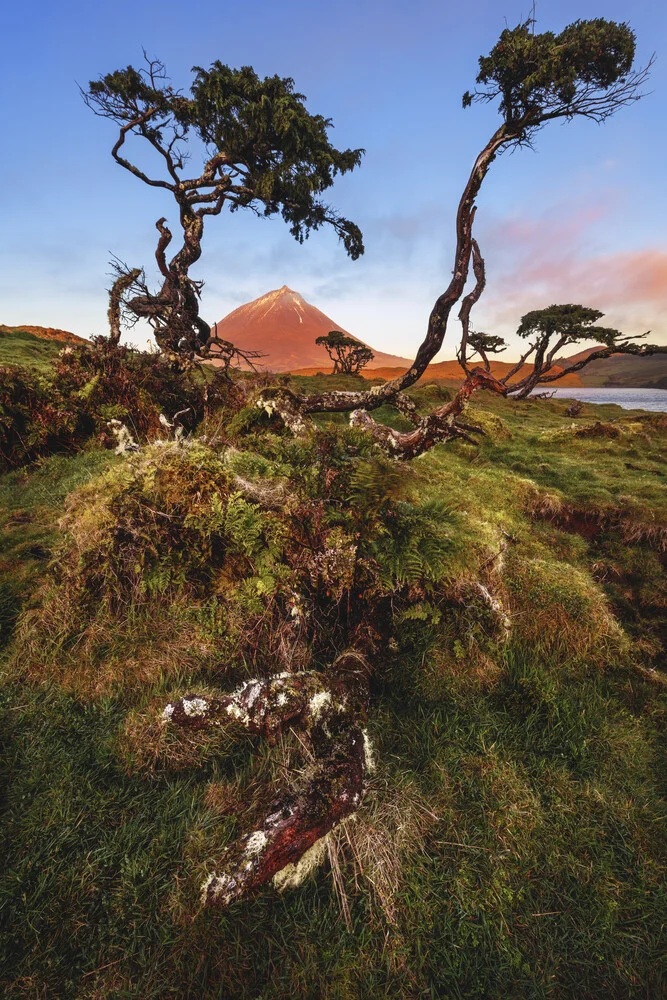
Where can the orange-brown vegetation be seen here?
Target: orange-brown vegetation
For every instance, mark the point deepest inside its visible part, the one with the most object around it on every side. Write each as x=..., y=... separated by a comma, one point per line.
x=447, y=370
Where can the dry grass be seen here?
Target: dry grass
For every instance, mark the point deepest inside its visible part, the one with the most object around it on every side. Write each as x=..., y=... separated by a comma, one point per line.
x=369, y=850
x=110, y=654
x=554, y=602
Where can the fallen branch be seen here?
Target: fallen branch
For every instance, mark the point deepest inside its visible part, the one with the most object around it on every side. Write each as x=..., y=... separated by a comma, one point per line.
x=329, y=709
x=440, y=425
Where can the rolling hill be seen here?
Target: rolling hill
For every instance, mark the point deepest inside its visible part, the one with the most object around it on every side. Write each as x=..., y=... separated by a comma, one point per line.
x=34, y=346
x=624, y=371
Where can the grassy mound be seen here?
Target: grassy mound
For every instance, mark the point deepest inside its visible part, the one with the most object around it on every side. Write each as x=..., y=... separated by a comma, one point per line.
x=20, y=347
x=512, y=842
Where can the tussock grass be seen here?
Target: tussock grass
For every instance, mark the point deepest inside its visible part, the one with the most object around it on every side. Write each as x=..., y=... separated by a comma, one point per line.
x=513, y=841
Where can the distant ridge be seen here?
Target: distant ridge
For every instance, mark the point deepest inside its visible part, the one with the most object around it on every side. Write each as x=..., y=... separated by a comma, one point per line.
x=284, y=327
x=623, y=371
x=45, y=333
x=447, y=370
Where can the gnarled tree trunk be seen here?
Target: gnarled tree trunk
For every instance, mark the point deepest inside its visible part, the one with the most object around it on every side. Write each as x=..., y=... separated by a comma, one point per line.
x=329, y=709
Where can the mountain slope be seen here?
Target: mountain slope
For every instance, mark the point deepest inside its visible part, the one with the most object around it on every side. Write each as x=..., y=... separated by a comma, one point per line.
x=284, y=327
x=624, y=371
x=446, y=370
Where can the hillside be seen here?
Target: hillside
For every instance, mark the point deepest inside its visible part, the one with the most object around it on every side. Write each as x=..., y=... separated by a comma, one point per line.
x=284, y=327
x=34, y=346
x=512, y=839
x=622, y=371
x=447, y=370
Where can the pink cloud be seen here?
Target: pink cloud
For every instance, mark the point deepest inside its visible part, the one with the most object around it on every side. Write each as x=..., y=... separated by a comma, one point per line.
x=535, y=262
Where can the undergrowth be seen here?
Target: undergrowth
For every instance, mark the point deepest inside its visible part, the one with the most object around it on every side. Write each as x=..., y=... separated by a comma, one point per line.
x=512, y=599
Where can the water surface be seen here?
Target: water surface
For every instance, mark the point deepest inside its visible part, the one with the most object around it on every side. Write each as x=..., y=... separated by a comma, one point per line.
x=629, y=399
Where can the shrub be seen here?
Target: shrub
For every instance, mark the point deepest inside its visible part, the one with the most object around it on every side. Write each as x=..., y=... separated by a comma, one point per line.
x=92, y=384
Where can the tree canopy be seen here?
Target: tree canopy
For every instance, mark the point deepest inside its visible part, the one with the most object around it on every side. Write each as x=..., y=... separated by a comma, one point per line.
x=584, y=70
x=261, y=149
x=347, y=354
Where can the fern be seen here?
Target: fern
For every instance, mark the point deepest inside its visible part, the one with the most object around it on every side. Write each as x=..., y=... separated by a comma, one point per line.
x=414, y=546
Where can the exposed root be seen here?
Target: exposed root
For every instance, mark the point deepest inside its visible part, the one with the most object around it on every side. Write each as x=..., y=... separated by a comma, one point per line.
x=496, y=607
x=440, y=425
x=329, y=708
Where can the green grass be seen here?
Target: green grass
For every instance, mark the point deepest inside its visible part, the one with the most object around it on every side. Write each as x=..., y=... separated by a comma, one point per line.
x=540, y=874
x=18, y=347
x=31, y=503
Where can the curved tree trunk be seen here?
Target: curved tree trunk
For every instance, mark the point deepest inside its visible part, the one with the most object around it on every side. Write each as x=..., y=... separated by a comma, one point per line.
x=437, y=324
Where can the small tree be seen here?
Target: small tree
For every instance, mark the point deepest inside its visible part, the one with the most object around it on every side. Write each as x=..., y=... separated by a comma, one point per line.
x=347, y=354
x=262, y=150
x=553, y=330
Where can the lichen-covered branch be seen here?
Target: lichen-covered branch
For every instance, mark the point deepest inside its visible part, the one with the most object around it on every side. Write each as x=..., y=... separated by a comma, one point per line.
x=330, y=710
x=120, y=286
x=285, y=405
x=440, y=425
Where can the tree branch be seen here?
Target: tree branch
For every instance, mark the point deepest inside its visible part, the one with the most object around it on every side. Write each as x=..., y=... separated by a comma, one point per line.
x=330, y=710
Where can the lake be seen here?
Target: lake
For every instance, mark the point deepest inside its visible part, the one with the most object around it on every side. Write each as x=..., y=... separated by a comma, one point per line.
x=629, y=399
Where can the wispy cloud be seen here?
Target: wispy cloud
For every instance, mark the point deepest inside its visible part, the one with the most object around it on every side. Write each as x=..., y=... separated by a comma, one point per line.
x=557, y=257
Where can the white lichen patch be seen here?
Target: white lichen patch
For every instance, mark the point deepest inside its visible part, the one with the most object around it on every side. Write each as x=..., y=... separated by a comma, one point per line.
x=293, y=875
x=238, y=713
x=124, y=440
x=281, y=699
x=194, y=707
x=318, y=703
x=369, y=758
x=496, y=606
x=252, y=692
x=168, y=712
x=219, y=888
x=256, y=842
x=267, y=405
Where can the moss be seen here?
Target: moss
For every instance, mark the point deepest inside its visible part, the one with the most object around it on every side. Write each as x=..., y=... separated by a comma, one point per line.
x=512, y=841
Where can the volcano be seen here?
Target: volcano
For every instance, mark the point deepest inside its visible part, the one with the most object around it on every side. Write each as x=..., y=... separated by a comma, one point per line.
x=284, y=327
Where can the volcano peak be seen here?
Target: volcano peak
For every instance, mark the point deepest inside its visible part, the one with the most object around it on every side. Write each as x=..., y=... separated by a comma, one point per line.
x=284, y=327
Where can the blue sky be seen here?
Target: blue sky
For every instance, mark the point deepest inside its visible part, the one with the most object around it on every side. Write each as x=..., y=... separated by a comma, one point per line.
x=582, y=218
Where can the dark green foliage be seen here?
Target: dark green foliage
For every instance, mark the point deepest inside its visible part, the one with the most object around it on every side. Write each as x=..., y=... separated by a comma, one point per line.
x=542, y=75
x=259, y=126
x=569, y=324
x=347, y=354
x=264, y=125
x=487, y=343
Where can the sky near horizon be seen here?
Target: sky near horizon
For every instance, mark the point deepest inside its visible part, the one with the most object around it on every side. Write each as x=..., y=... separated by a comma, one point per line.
x=581, y=218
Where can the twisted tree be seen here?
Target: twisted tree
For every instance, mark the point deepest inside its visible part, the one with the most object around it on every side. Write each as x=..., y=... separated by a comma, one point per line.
x=557, y=327
x=262, y=150
x=347, y=354
x=268, y=154
x=586, y=71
